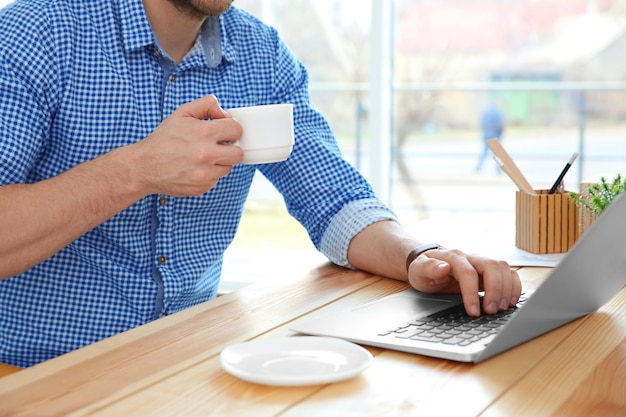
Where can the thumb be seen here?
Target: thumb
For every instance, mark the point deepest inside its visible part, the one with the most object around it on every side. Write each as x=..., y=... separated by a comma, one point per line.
x=203, y=108
x=429, y=274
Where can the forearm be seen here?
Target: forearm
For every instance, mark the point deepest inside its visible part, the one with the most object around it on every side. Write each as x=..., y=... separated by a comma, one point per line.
x=40, y=219
x=382, y=249
x=184, y=156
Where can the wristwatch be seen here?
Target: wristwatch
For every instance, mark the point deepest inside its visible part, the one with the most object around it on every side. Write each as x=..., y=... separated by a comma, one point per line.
x=419, y=250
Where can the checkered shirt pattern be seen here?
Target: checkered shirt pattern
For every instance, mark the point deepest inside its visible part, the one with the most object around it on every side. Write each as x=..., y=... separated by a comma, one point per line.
x=80, y=78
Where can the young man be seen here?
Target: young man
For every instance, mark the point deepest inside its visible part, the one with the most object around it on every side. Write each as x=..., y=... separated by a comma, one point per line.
x=120, y=188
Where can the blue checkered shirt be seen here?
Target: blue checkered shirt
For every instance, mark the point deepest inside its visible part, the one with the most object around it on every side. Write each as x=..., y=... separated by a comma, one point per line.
x=80, y=78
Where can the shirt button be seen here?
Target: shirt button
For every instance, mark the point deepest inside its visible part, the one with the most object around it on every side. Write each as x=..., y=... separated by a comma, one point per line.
x=162, y=201
x=173, y=78
x=162, y=259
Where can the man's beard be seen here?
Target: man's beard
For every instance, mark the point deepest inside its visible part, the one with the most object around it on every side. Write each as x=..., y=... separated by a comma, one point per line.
x=202, y=8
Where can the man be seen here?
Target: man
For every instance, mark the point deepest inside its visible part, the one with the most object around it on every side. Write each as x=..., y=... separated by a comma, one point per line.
x=492, y=127
x=120, y=185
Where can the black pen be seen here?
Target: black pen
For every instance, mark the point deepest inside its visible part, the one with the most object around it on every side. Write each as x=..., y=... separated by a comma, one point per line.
x=562, y=174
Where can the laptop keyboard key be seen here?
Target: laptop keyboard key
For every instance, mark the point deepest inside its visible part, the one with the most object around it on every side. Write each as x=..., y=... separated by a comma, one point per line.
x=452, y=327
x=427, y=338
x=455, y=341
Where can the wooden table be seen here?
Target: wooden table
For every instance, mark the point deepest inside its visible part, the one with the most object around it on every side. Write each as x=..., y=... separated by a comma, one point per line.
x=171, y=367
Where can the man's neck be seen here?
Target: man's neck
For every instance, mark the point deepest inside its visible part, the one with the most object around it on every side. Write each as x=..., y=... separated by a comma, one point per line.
x=176, y=31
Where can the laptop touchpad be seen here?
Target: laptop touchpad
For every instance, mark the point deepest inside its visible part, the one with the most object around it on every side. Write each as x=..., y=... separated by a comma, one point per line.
x=398, y=308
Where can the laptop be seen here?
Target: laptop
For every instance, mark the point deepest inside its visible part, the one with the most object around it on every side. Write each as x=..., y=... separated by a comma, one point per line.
x=590, y=274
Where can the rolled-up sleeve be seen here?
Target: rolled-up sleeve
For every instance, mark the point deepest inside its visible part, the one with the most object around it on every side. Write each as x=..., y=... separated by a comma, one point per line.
x=347, y=223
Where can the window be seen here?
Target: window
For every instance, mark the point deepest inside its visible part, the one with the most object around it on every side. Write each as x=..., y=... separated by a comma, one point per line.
x=550, y=67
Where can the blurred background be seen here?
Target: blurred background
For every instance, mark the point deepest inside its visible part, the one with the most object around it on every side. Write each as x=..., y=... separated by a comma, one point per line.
x=551, y=70
x=407, y=86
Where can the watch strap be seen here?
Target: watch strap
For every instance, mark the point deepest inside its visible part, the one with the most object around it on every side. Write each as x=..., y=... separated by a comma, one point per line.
x=419, y=250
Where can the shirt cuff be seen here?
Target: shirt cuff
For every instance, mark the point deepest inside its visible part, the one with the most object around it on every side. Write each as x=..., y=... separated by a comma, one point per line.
x=347, y=223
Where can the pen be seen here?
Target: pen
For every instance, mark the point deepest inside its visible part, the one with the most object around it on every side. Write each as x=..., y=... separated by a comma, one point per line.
x=558, y=181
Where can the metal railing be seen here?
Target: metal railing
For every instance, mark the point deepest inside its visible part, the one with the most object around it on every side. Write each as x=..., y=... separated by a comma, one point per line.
x=577, y=101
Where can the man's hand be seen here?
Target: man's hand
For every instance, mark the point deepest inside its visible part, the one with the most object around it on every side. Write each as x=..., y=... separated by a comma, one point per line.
x=186, y=155
x=382, y=249
x=452, y=271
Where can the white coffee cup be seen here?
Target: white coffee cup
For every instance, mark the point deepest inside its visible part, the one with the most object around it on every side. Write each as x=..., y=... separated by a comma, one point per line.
x=267, y=132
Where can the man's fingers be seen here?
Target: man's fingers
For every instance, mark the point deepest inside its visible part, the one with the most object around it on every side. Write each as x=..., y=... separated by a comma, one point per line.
x=206, y=107
x=454, y=271
x=497, y=282
x=469, y=281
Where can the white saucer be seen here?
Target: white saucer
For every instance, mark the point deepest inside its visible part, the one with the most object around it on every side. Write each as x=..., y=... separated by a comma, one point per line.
x=293, y=361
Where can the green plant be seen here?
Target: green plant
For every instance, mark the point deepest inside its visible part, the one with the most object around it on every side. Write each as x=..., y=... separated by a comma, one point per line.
x=598, y=196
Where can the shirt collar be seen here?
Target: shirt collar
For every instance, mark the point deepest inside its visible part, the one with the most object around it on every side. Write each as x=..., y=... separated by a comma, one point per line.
x=137, y=33
x=135, y=27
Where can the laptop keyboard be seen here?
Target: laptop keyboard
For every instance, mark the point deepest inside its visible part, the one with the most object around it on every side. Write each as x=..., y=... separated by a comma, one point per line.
x=453, y=326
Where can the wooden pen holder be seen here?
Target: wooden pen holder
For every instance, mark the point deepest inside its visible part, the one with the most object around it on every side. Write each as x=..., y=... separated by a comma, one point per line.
x=545, y=223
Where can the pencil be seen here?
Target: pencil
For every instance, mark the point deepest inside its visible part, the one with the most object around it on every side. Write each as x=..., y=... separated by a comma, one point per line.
x=559, y=180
